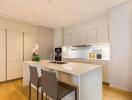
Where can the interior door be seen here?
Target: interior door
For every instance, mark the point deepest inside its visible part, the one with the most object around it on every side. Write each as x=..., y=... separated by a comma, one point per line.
x=2, y=55
x=14, y=54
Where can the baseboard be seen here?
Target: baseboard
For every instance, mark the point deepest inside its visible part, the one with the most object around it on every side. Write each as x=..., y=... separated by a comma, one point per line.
x=11, y=80
x=106, y=83
x=120, y=88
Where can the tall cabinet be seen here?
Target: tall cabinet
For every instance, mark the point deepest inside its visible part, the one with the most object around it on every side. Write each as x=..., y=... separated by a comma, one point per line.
x=14, y=54
x=2, y=55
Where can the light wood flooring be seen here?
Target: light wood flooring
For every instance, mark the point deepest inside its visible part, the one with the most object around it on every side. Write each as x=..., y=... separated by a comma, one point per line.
x=14, y=91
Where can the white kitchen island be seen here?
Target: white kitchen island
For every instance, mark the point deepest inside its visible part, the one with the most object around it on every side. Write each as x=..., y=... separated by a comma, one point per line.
x=86, y=77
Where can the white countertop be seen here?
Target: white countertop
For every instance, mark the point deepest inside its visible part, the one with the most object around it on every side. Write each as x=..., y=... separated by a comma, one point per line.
x=71, y=67
x=89, y=59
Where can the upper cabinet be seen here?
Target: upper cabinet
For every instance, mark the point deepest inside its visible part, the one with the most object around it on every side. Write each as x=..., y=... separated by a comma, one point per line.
x=103, y=34
x=91, y=36
x=74, y=39
x=82, y=38
x=67, y=39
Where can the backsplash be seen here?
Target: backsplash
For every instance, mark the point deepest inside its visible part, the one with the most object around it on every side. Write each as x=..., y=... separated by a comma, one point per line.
x=83, y=52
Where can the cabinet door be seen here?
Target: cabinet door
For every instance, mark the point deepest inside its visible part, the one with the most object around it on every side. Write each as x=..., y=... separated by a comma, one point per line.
x=67, y=39
x=74, y=39
x=103, y=35
x=2, y=55
x=91, y=36
x=82, y=38
x=104, y=69
x=14, y=54
x=30, y=40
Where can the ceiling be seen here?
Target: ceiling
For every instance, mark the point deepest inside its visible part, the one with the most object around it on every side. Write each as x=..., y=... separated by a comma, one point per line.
x=55, y=13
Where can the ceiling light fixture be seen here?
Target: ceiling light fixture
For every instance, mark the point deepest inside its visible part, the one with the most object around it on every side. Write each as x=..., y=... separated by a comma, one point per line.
x=63, y=19
x=38, y=9
x=87, y=9
x=28, y=18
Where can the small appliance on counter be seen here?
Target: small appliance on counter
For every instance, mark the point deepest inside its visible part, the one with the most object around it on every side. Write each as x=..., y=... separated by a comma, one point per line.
x=99, y=56
x=92, y=55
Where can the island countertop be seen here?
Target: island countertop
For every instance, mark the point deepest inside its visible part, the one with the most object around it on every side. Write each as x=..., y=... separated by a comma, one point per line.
x=70, y=67
x=86, y=77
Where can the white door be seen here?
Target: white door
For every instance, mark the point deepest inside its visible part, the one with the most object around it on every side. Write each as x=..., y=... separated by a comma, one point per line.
x=103, y=35
x=14, y=54
x=30, y=40
x=2, y=55
x=91, y=36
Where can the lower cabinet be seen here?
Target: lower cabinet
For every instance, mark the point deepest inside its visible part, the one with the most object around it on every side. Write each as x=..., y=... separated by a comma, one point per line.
x=105, y=68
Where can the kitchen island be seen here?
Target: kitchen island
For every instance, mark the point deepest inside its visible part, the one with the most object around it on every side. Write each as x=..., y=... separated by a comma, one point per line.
x=86, y=77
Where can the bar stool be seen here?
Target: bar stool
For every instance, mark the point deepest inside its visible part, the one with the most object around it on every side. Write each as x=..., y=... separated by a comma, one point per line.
x=35, y=80
x=54, y=89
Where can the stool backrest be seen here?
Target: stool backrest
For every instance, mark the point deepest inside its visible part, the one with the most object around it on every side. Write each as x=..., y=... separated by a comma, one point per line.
x=49, y=84
x=34, y=78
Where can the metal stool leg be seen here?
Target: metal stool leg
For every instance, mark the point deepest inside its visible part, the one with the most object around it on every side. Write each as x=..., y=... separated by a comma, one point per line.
x=76, y=94
x=42, y=95
x=29, y=90
x=37, y=93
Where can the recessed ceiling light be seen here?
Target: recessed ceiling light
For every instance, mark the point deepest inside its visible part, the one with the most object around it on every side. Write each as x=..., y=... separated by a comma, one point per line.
x=38, y=9
x=28, y=18
x=87, y=9
x=63, y=19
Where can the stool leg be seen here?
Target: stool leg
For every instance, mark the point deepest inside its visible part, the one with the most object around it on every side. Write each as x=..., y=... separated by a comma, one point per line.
x=42, y=95
x=75, y=94
x=37, y=93
x=29, y=90
x=46, y=97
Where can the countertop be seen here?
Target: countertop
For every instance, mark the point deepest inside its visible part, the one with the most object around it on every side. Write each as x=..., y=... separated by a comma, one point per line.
x=74, y=68
x=89, y=59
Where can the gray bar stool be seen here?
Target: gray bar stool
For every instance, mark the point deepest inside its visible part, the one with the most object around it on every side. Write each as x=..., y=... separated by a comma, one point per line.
x=35, y=80
x=54, y=89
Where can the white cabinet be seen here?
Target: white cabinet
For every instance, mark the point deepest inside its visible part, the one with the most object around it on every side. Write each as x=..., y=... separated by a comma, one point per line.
x=67, y=39
x=82, y=38
x=105, y=66
x=14, y=54
x=30, y=40
x=103, y=34
x=74, y=39
x=91, y=36
x=2, y=55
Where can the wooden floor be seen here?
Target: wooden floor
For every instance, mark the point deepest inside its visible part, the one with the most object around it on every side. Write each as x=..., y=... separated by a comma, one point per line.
x=14, y=91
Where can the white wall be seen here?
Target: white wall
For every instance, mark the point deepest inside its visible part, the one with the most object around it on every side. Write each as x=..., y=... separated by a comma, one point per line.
x=58, y=37
x=95, y=22
x=121, y=47
x=46, y=37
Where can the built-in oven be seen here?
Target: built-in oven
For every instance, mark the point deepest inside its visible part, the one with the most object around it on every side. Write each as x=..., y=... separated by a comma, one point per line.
x=58, y=54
